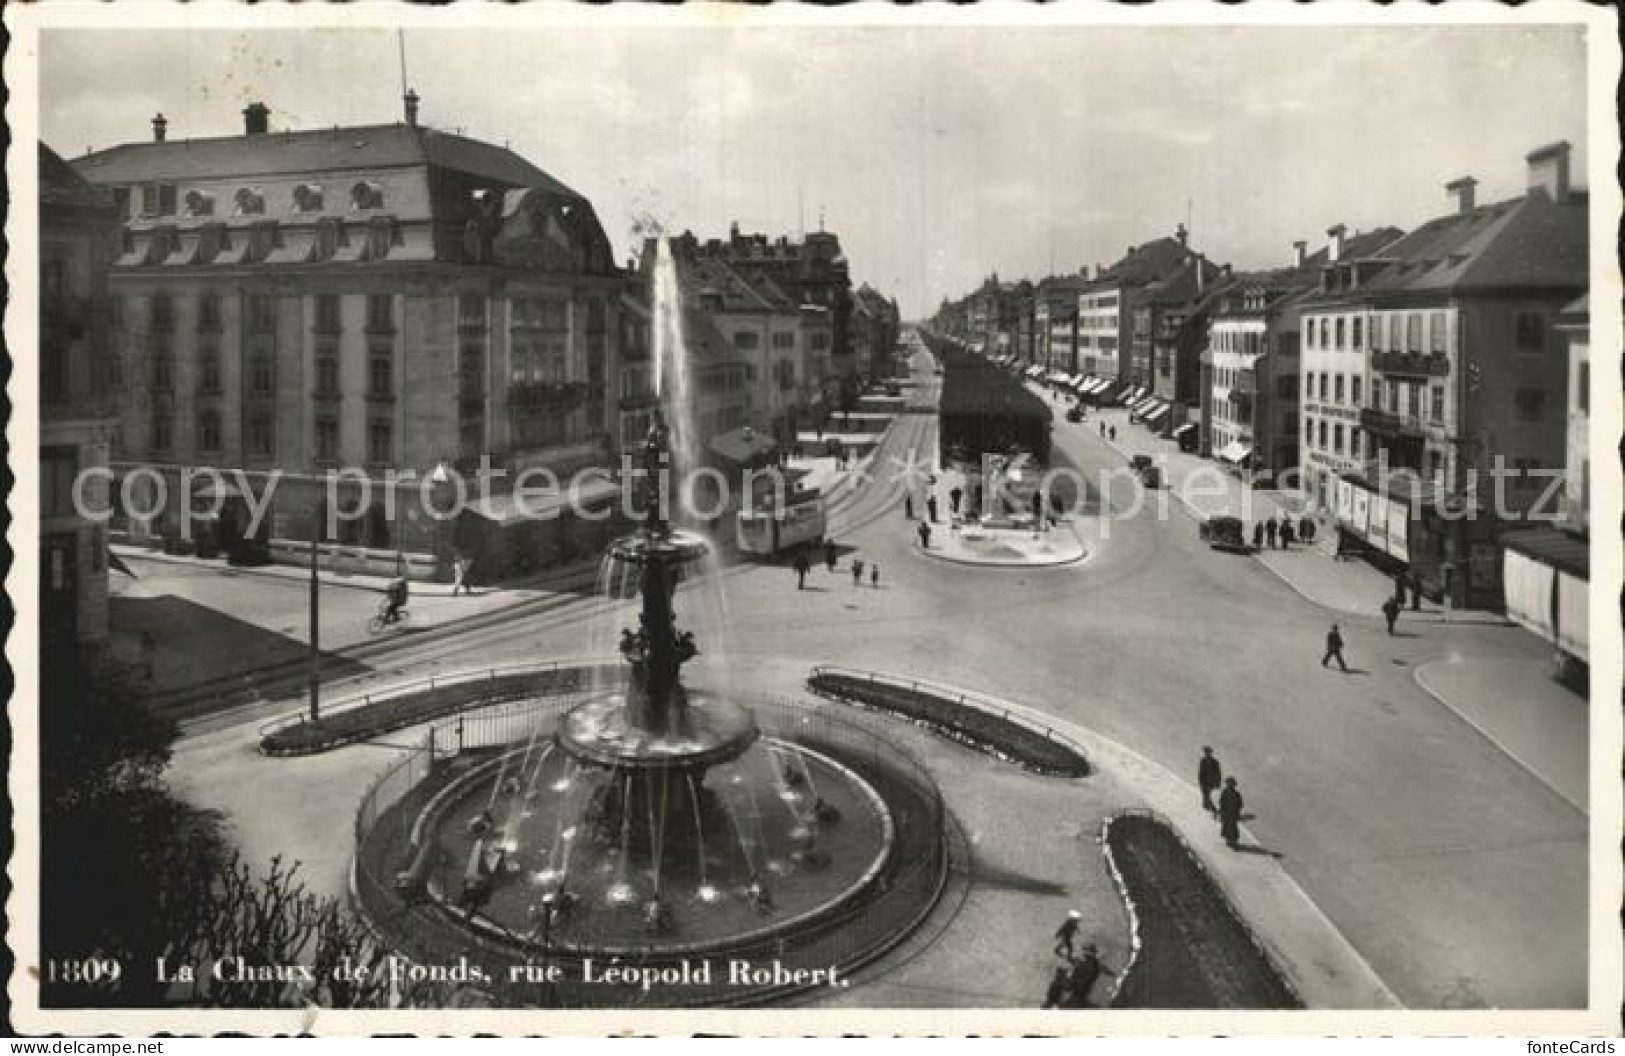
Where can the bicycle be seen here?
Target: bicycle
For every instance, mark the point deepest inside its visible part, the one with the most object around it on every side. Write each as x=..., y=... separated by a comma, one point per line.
x=379, y=623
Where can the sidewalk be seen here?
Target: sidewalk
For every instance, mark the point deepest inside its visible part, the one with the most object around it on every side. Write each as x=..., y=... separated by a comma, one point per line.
x=1514, y=702
x=1204, y=489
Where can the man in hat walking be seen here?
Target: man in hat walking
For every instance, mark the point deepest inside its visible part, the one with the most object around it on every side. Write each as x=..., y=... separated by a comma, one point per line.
x=1208, y=777
x=1334, y=647
x=1086, y=968
x=802, y=566
x=1230, y=814
x=1390, y=613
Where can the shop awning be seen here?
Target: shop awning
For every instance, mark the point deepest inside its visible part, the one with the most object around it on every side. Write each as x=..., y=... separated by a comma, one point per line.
x=1157, y=414
x=1188, y=427
x=1143, y=404
x=1060, y=377
x=743, y=445
x=1095, y=385
x=536, y=504
x=1236, y=452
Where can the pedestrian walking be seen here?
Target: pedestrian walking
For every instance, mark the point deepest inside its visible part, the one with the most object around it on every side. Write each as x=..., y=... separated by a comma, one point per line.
x=803, y=566
x=1287, y=532
x=1086, y=968
x=857, y=572
x=1399, y=587
x=1271, y=527
x=1066, y=933
x=1416, y=593
x=1102, y=428
x=1230, y=813
x=1334, y=647
x=1258, y=536
x=459, y=584
x=908, y=506
x=1306, y=530
x=1390, y=613
x=874, y=576
x=931, y=507
x=1111, y=432
x=1209, y=776
x=831, y=555
x=955, y=493
x=925, y=535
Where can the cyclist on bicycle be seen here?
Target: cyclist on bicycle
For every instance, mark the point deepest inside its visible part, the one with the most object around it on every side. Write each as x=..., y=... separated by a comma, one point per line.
x=394, y=599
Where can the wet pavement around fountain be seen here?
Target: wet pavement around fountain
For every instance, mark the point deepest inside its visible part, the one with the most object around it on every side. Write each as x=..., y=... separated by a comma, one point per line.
x=1408, y=829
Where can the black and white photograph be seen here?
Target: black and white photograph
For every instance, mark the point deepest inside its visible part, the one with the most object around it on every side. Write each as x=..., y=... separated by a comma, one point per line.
x=1065, y=520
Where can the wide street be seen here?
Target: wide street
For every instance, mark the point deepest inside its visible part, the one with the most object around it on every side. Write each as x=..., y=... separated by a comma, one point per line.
x=1458, y=875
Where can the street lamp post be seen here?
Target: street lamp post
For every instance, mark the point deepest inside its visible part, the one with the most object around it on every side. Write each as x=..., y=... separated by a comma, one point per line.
x=315, y=613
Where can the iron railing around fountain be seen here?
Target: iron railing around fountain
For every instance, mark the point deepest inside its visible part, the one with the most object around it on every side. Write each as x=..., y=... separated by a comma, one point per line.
x=855, y=935
x=462, y=676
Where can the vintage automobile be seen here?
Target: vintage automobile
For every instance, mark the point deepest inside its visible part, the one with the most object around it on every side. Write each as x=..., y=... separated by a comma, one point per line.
x=1075, y=413
x=1223, y=532
x=1149, y=473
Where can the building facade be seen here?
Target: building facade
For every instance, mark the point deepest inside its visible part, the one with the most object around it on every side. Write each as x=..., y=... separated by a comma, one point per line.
x=1440, y=357
x=390, y=299
x=78, y=230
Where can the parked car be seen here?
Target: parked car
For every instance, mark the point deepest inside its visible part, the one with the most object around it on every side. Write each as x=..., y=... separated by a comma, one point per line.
x=1223, y=532
x=1075, y=413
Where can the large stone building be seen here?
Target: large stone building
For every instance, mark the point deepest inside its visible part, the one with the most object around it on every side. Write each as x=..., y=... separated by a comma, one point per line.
x=1257, y=372
x=78, y=228
x=1107, y=305
x=1546, y=569
x=1440, y=356
x=390, y=299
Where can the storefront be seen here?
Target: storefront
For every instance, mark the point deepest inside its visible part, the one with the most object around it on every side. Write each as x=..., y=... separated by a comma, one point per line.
x=1445, y=542
x=1546, y=574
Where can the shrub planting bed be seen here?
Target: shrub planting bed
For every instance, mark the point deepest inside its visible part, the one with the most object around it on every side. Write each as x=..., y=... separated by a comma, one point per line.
x=951, y=717
x=408, y=709
x=1191, y=950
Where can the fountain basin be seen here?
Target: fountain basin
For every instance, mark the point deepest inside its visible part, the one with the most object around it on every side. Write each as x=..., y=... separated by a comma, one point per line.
x=721, y=845
x=708, y=731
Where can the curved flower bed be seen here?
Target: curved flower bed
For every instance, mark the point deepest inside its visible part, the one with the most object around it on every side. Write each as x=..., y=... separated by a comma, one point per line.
x=369, y=720
x=957, y=719
x=1189, y=949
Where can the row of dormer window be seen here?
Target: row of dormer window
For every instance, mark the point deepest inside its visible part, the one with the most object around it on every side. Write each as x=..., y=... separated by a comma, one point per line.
x=164, y=199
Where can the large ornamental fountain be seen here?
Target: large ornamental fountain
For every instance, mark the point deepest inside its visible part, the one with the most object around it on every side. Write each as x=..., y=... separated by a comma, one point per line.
x=645, y=820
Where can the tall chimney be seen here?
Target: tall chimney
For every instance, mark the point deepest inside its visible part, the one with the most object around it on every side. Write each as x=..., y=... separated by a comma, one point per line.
x=1461, y=193
x=160, y=128
x=256, y=119
x=411, y=100
x=1549, y=171
x=1300, y=252
x=1335, y=251
x=1181, y=234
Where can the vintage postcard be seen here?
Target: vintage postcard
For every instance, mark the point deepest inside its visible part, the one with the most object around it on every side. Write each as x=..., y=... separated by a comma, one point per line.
x=777, y=520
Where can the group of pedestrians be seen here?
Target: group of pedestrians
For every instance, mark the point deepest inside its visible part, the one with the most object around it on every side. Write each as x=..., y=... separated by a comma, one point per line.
x=1210, y=779
x=1078, y=969
x=832, y=559
x=1281, y=532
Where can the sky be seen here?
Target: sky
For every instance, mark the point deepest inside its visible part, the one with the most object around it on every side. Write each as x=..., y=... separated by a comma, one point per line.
x=938, y=154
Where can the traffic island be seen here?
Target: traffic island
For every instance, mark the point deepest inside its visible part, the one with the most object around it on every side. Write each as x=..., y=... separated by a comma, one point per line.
x=957, y=718
x=1189, y=948
x=367, y=718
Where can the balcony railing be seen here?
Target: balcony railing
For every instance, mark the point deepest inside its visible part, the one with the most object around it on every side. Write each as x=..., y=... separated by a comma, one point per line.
x=1413, y=364
x=1389, y=424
